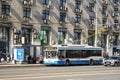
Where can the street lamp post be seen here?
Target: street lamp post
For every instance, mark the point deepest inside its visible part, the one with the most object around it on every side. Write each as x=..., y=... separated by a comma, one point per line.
x=96, y=25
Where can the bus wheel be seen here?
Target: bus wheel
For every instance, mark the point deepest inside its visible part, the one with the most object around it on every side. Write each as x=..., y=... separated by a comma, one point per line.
x=67, y=62
x=115, y=64
x=91, y=62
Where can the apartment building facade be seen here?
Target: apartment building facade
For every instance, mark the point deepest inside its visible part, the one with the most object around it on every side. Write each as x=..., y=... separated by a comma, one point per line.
x=33, y=24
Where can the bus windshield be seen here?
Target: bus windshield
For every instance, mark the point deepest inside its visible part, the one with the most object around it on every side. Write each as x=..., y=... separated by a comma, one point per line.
x=51, y=54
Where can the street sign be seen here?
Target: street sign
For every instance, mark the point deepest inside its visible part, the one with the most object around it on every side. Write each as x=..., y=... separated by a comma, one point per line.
x=19, y=54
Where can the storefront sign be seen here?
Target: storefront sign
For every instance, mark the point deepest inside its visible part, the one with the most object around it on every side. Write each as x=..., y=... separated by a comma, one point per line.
x=46, y=28
x=78, y=30
x=5, y=24
x=27, y=26
x=62, y=29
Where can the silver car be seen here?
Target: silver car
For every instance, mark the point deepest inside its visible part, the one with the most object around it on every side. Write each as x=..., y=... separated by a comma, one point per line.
x=112, y=61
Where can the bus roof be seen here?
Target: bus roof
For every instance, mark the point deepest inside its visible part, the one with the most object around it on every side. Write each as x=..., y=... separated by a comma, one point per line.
x=75, y=47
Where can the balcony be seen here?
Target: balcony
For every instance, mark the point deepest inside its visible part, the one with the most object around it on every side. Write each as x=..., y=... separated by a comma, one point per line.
x=63, y=8
x=5, y=16
x=27, y=2
x=78, y=11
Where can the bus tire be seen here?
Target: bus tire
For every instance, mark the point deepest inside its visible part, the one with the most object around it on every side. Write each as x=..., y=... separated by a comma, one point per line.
x=115, y=64
x=67, y=63
x=91, y=62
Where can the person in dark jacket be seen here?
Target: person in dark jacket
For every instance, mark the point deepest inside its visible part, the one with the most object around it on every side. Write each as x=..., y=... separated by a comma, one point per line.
x=29, y=59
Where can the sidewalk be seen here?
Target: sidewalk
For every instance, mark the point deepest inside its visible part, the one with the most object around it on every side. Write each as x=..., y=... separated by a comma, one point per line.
x=11, y=65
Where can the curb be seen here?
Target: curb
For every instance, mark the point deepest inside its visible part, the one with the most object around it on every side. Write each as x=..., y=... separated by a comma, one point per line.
x=21, y=65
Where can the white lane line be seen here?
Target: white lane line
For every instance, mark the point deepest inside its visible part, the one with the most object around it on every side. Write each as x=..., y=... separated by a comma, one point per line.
x=59, y=75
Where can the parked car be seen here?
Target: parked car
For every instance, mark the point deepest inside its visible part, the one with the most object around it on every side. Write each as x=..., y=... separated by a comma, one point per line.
x=112, y=61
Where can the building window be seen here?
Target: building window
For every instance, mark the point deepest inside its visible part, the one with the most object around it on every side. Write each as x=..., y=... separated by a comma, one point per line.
x=77, y=37
x=45, y=14
x=116, y=22
x=116, y=11
x=62, y=16
x=104, y=21
x=61, y=37
x=77, y=4
x=91, y=7
x=116, y=40
x=26, y=12
x=104, y=9
x=91, y=20
x=4, y=39
x=6, y=9
x=62, y=2
x=103, y=40
x=45, y=35
x=77, y=18
x=91, y=38
x=45, y=2
x=26, y=35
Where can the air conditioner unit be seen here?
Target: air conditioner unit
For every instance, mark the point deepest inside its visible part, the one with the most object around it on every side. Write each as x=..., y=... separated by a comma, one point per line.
x=25, y=19
x=4, y=16
x=106, y=14
x=14, y=30
x=30, y=2
x=92, y=25
x=48, y=6
x=60, y=22
x=25, y=2
x=49, y=17
x=45, y=21
x=15, y=36
x=113, y=15
x=61, y=7
x=66, y=8
x=76, y=24
x=105, y=26
x=23, y=40
x=94, y=1
x=76, y=10
x=14, y=41
x=80, y=11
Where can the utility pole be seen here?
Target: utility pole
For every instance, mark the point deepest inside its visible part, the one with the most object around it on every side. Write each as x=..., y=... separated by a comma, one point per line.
x=96, y=25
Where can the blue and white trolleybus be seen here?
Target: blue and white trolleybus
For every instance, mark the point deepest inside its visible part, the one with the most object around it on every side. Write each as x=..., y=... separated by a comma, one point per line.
x=72, y=54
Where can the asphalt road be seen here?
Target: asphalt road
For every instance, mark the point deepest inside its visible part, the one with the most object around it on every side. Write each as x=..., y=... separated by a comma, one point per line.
x=61, y=73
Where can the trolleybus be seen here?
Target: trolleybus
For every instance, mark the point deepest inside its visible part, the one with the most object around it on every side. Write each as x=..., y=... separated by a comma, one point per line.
x=72, y=54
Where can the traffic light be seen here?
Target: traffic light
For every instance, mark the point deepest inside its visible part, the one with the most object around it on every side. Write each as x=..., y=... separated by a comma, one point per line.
x=41, y=38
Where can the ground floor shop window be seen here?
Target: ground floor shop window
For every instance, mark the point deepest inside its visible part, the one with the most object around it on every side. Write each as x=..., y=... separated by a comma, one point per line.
x=4, y=39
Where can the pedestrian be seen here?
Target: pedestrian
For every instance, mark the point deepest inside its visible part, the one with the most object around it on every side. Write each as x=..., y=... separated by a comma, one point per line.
x=8, y=58
x=29, y=59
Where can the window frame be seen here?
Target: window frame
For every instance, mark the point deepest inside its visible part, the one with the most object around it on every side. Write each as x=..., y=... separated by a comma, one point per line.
x=45, y=2
x=45, y=14
x=62, y=16
x=91, y=7
x=5, y=9
x=26, y=12
x=77, y=18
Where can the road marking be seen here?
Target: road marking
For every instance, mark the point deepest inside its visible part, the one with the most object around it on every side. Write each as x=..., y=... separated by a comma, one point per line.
x=60, y=74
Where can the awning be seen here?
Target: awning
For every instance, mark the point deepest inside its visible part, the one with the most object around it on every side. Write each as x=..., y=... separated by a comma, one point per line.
x=8, y=25
x=46, y=28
